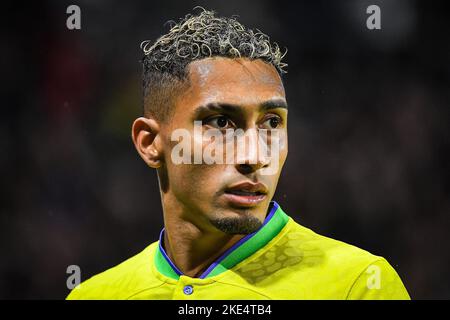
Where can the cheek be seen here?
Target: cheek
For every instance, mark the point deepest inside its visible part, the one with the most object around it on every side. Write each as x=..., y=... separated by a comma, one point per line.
x=195, y=180
x=192, y=176
x=283, y=149
x=279, y=147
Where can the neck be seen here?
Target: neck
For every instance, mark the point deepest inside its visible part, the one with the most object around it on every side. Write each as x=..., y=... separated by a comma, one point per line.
x=192, y=248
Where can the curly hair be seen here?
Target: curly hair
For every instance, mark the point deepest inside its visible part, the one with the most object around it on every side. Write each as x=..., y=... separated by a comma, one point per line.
x=197, y=37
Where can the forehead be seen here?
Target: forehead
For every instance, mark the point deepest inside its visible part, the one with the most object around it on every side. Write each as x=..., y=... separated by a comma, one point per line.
x=240, y=81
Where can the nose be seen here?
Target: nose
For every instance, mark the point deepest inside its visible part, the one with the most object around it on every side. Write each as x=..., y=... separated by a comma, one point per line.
x=250, y=155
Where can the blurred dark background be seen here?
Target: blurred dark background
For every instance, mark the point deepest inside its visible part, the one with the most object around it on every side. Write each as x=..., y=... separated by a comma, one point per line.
x=368, y=131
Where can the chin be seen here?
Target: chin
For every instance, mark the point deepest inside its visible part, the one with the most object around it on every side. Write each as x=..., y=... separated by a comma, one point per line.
x=233, y=223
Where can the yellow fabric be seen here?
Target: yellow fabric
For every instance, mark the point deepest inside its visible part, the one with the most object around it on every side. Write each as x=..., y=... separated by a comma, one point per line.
x=296, y=264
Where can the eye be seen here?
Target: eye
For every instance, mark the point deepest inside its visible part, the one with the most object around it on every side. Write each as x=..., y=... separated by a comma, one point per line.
x=272, y=123
x=219, y=122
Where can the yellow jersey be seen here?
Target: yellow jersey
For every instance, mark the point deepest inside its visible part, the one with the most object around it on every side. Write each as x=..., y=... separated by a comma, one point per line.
x=281, y=260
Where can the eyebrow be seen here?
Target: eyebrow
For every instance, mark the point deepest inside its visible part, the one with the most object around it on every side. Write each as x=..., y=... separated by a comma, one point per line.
x=229, y=107
x=274, y=104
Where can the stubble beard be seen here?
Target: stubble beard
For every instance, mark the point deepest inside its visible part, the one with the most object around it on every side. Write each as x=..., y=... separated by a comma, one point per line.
x=244, y=224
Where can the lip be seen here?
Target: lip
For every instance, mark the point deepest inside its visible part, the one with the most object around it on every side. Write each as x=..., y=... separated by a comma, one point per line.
x=246, y=194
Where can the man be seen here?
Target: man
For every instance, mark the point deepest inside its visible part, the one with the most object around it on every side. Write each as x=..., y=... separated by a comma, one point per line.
x=223, y=238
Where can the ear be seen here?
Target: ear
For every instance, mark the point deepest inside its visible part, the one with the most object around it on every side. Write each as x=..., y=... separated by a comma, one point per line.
x=147, y=140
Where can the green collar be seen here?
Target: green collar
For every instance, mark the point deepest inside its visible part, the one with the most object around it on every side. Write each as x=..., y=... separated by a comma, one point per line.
x=248, y=245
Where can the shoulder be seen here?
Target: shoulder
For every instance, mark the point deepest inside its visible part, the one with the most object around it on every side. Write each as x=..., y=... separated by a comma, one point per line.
x=301, y=264
x=121, y=281
x=363, y=274
x=327, y=250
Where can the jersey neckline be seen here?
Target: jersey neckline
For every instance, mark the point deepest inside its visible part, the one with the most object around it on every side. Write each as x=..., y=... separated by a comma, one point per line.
x=241, y=250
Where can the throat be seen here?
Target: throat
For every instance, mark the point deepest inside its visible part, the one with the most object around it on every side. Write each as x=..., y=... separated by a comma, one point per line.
x=193, y=256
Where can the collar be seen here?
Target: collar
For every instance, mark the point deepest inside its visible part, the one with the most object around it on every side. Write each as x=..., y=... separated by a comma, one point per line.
x=245, y=247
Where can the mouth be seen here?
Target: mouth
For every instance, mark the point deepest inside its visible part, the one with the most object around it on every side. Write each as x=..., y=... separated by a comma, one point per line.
x=246, y=194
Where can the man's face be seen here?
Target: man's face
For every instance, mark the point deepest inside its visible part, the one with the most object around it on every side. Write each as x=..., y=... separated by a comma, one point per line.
x=226, y=94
